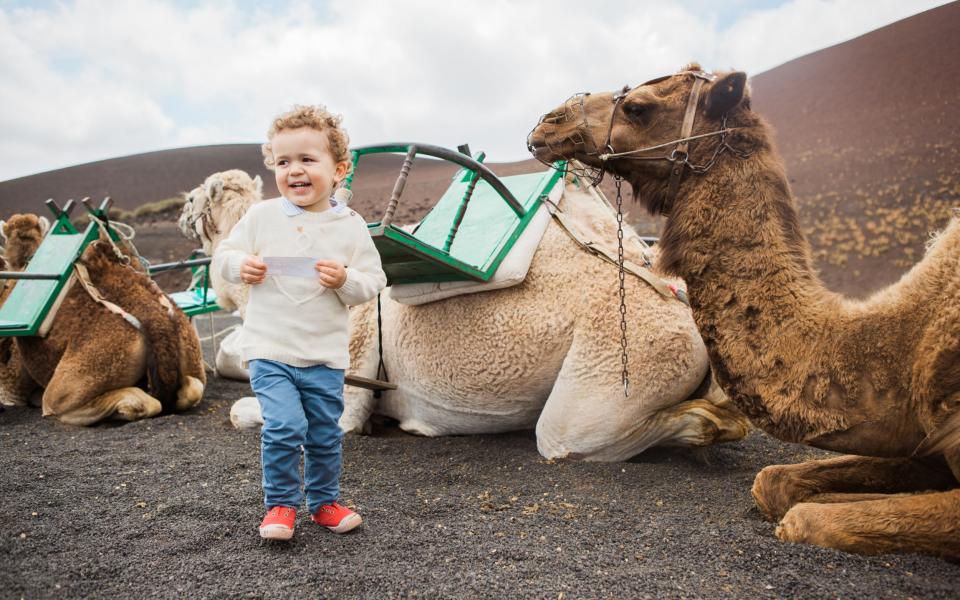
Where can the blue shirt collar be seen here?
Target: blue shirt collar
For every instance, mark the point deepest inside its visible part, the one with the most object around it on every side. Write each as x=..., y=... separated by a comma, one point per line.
x=291, y=210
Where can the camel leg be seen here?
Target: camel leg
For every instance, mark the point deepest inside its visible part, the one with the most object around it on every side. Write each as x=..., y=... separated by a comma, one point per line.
x=779, y=487
x=229, y=363
x=90, y=384
x=359, y=403
x=587, y=416
x=127, y=404
x=922, y=523
x=192, y=370
x=700, y=423
x=190, y=393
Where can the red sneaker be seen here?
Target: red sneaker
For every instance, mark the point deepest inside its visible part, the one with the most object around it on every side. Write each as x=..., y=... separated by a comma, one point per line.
x=278, y=524
x=336, y=518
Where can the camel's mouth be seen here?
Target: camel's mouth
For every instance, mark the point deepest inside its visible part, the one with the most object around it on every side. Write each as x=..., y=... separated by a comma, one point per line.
x=549, y=146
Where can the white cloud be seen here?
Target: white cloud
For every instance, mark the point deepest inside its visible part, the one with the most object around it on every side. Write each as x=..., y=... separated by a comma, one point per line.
x=92, y=79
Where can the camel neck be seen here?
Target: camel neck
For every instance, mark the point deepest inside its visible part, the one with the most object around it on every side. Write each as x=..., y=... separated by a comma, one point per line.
x=737, y=243
x=740, y=235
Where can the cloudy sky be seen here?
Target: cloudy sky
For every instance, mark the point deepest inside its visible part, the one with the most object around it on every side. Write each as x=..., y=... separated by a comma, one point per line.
x=86, y=80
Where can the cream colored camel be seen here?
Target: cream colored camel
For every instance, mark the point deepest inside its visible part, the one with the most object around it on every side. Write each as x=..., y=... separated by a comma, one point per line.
x=543, y=354
x=222, y=199
x=92, y=361
x=877, y=378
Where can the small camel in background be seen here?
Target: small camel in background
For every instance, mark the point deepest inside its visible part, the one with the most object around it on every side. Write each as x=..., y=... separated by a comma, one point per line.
x=93, y=362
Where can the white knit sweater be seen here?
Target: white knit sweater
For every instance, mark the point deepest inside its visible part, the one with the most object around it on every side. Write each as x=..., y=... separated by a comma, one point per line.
x=296, y=320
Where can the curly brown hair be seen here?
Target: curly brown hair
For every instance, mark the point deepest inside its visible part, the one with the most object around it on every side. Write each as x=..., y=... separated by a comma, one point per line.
x=316, y=117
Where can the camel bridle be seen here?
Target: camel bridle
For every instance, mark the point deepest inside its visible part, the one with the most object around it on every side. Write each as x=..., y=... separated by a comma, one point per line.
x=679, y=156
x=205, y=218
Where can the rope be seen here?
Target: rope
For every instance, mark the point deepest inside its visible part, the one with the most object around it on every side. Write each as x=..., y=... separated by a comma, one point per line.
x=119, y=228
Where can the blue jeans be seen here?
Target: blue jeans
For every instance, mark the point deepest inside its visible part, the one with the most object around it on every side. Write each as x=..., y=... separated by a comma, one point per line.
x=301, y=407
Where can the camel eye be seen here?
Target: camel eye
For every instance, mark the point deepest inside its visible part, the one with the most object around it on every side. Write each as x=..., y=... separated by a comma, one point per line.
x=636, y=110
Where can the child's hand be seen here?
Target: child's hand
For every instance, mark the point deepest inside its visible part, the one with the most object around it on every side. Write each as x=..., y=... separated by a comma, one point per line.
x=252, y=270
x=331, y=273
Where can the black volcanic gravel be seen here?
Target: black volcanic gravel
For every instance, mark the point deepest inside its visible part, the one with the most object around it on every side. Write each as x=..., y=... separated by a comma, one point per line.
x=168, y=507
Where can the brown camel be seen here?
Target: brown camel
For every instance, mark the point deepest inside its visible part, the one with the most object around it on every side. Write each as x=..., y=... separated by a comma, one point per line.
x=21, y=235
x=878, y=379
x=93, y=363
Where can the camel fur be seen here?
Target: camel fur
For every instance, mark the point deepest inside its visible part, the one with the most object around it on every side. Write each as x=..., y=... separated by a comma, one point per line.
x=223, y=197
x=542, y=354
x=21, y=235
x=878, y=379
x=93, y=364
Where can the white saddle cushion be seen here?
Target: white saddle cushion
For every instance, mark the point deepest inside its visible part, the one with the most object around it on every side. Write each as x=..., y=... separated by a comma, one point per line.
x=511, y=271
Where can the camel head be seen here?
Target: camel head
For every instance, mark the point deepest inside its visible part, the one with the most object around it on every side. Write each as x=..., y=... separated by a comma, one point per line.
x=212, y=209
x=629, y=133
x=22, y=235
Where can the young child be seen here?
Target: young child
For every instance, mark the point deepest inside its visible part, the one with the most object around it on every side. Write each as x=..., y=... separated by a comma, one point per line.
x=294, y=336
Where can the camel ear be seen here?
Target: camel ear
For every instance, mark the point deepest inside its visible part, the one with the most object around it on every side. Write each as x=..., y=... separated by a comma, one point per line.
x=44, y=225
x=214, y=187
x=258, y=185
x=726, y=93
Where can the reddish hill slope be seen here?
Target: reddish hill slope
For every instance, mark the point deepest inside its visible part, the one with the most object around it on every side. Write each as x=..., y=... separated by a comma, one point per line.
x=869, y=133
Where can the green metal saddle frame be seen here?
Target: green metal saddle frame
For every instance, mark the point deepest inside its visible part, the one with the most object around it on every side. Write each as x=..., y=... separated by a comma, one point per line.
x=48, y=277
x=452, y=243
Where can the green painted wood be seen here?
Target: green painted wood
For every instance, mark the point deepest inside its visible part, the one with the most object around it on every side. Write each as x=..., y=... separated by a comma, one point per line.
x=31, y=300
x=487, y=233
x=486, y=222
x=199, y=301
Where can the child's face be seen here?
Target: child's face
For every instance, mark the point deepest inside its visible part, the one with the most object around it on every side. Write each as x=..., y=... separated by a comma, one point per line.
x=305, y=169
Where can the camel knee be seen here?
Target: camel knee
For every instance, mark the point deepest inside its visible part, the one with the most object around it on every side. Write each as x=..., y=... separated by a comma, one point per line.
x=60, y=401
x=358, y=406
x=245, y=413
x=776, y=489
x=189, y=393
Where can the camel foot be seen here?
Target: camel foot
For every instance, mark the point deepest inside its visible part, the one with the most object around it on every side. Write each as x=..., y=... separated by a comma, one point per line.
x=189, y=393
x=922, y=523
x=777, y=488
x=135, y=404
x=245, y=413
x=357, y=426
x=702, y=423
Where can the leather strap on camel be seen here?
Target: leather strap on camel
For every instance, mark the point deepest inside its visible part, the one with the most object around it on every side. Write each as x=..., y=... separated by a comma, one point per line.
x=84, y=277
x=662, y=287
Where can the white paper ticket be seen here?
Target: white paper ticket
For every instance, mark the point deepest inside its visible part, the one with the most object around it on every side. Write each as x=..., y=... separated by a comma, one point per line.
x=291, y=266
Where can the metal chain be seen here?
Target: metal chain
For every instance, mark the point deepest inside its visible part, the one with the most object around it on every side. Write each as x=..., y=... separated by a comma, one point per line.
x=621, y=274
